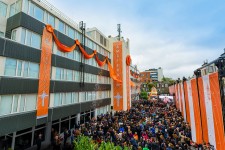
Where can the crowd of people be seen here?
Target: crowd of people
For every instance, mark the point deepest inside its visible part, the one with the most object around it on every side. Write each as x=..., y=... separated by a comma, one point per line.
x=148, y=125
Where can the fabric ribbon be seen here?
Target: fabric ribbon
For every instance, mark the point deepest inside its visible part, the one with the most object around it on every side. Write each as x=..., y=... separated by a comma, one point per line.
x=60, y=46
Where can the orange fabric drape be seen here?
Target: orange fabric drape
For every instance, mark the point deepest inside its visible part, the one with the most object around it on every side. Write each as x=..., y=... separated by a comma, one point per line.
x=128, y=60
x=44, y=75
x=60, y=46
x=112, y=73
x=100, y=63
x=65, y=49
x=86, y=55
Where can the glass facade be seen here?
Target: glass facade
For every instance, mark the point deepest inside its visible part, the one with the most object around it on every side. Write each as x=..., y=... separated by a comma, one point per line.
x=30, y=38
x=22, y=103
x=15, y=8
x=10, y=104
x=18, y=68
x=3, y=9
x=36, y=12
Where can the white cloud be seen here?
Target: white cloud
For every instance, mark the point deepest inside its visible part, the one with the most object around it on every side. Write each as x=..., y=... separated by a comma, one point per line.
x=153, y=43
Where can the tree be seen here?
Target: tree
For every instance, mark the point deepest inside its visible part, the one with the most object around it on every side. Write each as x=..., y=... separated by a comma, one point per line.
x=150, y=85
x=144, y=95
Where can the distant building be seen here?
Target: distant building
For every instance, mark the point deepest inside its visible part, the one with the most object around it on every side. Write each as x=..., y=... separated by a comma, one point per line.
x=135, y=82
x=152, y=75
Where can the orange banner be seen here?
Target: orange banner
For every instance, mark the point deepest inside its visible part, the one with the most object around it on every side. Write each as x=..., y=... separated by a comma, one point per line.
x=128, y=86
x=196, y=111
x=44, y=74
x=181, y=102
x=217, y=111
x=203, y=111
x=118, y=66
x=187, y=103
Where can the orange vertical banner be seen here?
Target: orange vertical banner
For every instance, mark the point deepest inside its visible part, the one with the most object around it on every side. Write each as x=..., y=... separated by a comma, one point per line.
x=203, y=111
x=118, y=87
x=181, y=102
x=217, y=111
x=44, y=74
x=197, y=115
x=187, y=103
x=128, y=86
x=176, y=96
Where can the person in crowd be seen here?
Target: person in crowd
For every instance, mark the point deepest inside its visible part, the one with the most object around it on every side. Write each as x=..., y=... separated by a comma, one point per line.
x=147, y=125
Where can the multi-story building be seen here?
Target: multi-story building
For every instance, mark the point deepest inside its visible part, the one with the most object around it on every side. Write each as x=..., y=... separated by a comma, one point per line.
x=152, y=75
x=135, y=82
x=75, y=94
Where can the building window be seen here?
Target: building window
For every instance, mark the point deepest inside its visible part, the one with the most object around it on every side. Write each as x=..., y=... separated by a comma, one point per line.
x=36, y=12
x=15, y=8
x=14, y=35
x=29, y=38
x=20, y=68
x=2, y=34
x=10, y=67
x=6, y=104
x=71, y=33
x=51, y=20
x=61, y=27
x=17, y=103
x=3, y=9
x=57, y=100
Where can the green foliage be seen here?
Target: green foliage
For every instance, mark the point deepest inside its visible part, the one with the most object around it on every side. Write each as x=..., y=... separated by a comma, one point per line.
x=170, y=81
x=150, y=85
x=109, y=146
x=86, y=143
x=144, y=95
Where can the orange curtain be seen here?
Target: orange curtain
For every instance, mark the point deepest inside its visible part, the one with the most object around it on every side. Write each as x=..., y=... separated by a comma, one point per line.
x=112, y=73
x=60, y=46
x=86, y=55
x=100, y=63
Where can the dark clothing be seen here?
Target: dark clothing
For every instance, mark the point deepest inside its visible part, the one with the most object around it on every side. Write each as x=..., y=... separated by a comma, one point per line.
x=39, y=140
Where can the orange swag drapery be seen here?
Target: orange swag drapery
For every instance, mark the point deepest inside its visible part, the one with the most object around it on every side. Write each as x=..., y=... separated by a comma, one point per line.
x=67, y=49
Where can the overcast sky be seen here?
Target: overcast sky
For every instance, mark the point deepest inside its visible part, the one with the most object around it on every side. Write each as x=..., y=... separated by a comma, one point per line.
x=177, y=35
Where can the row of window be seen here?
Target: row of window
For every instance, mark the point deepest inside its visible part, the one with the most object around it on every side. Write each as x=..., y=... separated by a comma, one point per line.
x=34, y=40
x=43, y=16
x=77, y=97
x=39, y=14
x=72, y=75
x=103, y=110
x=10, y=104
x=19, y=68
x=17, y=103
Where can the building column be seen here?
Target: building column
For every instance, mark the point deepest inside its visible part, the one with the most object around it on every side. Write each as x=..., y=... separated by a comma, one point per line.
x=78, y=118
x=95, y=111
x=48, y=133
x=13, y=140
